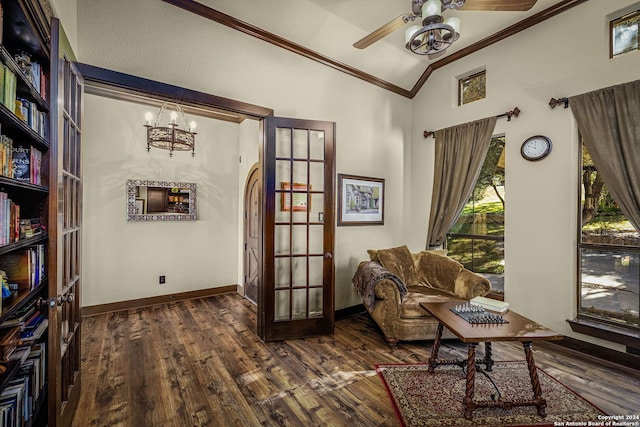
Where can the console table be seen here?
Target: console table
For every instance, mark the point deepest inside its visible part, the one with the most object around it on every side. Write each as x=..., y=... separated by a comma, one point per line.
x=516, y=328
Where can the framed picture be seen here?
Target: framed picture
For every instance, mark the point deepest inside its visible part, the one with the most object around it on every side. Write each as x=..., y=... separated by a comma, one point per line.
x=299, y=199
x=360, y=200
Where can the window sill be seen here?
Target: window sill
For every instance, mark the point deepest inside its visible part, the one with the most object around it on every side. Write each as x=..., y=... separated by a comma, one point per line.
x=612, y=333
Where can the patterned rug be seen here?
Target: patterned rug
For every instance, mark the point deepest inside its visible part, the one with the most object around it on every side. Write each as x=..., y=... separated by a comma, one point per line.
x=423, y=399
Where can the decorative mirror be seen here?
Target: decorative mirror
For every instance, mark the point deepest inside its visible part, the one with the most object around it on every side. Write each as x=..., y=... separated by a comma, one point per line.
x=160, y=201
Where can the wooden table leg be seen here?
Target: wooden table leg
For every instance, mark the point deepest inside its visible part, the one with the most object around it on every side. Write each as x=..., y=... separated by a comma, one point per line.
x=468, y=404
x=433, y=360
x=539, y=401
x=488, y=357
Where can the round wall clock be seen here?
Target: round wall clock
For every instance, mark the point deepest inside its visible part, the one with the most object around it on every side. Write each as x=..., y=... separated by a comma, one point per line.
x=536, y=148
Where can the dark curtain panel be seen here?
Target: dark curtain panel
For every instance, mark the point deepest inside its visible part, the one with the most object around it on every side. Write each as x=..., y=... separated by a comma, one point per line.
x=460, y=153
x=609, y=121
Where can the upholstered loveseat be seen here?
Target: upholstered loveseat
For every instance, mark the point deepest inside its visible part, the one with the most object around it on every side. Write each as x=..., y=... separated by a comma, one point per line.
x=394, y=283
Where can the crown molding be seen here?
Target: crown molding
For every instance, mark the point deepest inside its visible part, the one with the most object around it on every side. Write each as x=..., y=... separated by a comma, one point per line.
x=236, y=24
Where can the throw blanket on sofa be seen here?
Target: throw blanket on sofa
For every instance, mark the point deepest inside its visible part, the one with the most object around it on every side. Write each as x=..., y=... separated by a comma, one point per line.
x=367, y=274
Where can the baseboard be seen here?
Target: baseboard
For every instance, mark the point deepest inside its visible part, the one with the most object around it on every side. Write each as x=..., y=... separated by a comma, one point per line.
x=343, y=313
x=94, y=310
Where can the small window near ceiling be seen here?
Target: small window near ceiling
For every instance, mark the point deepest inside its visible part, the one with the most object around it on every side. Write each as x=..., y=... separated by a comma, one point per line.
x=624, y=34
x=472, y=88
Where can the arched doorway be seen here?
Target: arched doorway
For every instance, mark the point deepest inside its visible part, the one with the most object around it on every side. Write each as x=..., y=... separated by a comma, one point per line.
x=252, y=229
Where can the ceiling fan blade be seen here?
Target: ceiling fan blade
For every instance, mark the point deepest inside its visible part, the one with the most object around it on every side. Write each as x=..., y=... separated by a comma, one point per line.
x=501, y=5
x=383, y=31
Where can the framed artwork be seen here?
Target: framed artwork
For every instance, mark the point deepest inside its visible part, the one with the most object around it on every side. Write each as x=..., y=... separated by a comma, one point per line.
x=299, y=199
x=360, y=200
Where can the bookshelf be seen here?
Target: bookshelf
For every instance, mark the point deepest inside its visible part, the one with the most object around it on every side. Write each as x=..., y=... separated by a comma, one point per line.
x=39, y=243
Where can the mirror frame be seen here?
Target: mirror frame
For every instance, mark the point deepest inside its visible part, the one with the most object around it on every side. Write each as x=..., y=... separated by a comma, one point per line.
x=131, y=201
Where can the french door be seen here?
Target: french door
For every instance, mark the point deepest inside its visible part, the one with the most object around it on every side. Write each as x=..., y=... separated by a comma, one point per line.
x=296, y=297
x=64, y=231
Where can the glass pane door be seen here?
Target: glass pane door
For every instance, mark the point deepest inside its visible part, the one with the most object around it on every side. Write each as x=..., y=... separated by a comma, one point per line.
x=298, y=228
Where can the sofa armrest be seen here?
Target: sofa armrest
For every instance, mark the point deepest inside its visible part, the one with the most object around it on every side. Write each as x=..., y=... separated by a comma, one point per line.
x=386, y=290
x=469, y=285
x=388, y=300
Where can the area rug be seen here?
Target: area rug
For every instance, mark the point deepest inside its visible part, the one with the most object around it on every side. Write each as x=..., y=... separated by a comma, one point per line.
x=423, y=399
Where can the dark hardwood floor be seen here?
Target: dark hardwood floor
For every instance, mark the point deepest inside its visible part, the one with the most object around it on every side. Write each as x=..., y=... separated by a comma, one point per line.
x=199, y=363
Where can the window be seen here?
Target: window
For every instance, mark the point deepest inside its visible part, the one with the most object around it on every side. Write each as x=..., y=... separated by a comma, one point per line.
x=476, y=240
x=472, y=88
x=609, y=255
x=624, y=34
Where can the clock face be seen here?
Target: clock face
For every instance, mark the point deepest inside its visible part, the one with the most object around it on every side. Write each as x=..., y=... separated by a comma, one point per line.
x=536, y=148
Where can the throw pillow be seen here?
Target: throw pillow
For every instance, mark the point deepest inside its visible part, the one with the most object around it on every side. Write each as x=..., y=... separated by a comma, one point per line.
x=437, y=271
x=373, y=255
x=399, y=262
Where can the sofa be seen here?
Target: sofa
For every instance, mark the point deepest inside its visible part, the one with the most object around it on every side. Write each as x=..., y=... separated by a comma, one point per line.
x=395, y=281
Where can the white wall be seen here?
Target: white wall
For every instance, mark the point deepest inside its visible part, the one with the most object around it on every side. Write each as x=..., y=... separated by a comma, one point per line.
x=248, y=142
x=66, y=11
x=566, y=55
x=122, y=260
x=155, y=40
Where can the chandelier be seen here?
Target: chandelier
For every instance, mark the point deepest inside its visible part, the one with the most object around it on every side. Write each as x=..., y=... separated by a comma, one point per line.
x=436, y=33
x=171, y=137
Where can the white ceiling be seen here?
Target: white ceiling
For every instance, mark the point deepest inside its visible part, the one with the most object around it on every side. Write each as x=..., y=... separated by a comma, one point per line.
x=330, y=27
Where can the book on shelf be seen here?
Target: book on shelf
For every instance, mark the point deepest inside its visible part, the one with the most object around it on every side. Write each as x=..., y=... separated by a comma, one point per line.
x=26, y=267
x=9, y=85
x=490, y=304
x=35, y=174
x=6, y=151
x=13, y=397
x=28, y=112
x=20, y=316
x=34, y=329
x=26, y=164
x=21, y=163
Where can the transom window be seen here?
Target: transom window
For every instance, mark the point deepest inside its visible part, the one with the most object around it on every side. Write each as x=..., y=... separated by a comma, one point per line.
x=472, y=88
x=624, y=34
x=609, y=255
x=476, y=240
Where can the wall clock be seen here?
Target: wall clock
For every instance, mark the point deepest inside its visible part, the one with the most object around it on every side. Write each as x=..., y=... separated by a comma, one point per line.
x=536, y=148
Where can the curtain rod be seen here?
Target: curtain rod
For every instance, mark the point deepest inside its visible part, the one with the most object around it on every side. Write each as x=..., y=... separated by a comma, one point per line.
x=515, y=112
x=553, y=103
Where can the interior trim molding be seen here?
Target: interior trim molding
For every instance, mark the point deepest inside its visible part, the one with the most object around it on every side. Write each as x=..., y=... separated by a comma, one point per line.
x=236, y=24
x=126, y=87
x=345, y=313
x=93, y=310
x=529, y=22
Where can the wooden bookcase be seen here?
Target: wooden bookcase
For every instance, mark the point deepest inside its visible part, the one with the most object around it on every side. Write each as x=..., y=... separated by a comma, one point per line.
x=40, y=217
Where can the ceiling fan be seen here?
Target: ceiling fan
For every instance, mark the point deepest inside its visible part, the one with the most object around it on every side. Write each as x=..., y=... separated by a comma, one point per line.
x=436, y=34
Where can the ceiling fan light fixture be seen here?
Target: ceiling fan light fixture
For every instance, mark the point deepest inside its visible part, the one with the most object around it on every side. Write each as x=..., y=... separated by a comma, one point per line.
x=408, y=34
x=436, y=33
x=431, y=12
x=431, y=7
x=453, y=22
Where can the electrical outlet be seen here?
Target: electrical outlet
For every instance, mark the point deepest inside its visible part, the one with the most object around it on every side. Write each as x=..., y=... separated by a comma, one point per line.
x=162, y=280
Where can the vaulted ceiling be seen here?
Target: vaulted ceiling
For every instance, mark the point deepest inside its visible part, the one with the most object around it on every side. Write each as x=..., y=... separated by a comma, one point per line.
x=325, y=30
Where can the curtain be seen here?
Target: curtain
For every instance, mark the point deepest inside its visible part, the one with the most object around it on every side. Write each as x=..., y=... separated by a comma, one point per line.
x=609, y=121
x=460, y=153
